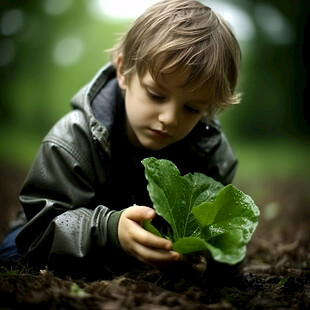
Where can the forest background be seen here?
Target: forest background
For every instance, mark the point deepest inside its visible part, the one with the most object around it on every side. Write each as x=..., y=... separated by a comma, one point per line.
x=50, y=48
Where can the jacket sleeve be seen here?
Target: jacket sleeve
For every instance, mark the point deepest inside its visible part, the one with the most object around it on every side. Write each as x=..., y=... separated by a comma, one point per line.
x=59, y=196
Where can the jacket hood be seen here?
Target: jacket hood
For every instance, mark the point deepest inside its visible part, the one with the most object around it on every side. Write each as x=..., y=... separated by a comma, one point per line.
x=99, y=107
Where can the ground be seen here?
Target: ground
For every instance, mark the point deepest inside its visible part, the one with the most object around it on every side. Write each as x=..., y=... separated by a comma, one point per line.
x=274, y=275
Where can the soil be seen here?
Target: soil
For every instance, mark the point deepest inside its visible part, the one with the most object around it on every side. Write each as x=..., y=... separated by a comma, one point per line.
x=275, y=273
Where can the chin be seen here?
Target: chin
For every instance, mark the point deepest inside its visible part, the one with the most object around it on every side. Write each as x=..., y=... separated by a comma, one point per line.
x=154, y=146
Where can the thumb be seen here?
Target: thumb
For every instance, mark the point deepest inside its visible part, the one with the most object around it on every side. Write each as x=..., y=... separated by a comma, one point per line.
x=139, y=213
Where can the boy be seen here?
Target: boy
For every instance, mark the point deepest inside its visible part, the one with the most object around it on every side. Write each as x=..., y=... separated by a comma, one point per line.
x=171, y=73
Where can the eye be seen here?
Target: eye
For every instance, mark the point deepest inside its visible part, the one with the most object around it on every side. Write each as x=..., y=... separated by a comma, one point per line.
x=154, y=96
x=191, y=109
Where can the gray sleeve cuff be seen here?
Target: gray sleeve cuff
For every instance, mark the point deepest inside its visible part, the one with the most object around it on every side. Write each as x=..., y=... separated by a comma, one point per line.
x=113, y=229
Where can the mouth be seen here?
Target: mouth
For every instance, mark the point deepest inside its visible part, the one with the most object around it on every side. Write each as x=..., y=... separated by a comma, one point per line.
x=159, y=133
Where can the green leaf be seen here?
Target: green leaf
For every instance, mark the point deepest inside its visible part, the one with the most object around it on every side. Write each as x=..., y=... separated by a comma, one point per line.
x=149, y=227
x=231, y=210
x=174, y=196
x=202, y=188
x=166, y=188
x=189, y=245
x=227, y=247
x=222, y=247
x=77, y=291
x=203, y=214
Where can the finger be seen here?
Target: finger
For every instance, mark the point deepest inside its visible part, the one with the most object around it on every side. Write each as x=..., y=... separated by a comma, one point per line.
x=154, y=256
x=144, y=237
x=139, y=213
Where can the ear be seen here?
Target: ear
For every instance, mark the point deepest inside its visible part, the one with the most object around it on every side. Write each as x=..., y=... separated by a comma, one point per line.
x=119, y=70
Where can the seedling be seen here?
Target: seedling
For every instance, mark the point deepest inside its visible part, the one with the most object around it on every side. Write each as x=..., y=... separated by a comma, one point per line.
x=203, y=214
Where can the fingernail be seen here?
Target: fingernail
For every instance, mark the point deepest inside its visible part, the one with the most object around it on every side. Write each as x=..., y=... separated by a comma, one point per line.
x=150, y=213
x=168, y=246
x=177, y=256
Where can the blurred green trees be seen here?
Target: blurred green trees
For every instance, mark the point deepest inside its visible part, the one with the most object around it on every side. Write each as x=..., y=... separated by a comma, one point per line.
x=274, y=73
x=50, y=48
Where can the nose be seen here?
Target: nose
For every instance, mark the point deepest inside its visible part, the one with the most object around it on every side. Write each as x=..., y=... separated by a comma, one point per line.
x=168, y=115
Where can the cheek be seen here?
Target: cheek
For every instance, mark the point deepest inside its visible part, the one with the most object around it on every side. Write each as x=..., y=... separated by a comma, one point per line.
x=137, y=112
x=139, y=106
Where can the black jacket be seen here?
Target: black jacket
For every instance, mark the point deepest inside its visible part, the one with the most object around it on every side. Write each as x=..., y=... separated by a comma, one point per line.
x=86, y=172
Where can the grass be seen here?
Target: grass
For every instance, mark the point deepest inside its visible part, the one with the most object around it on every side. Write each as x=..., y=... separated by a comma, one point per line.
x=277, y=159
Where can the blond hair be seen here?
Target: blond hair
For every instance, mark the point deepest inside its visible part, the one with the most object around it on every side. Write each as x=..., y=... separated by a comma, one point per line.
x=185, y=35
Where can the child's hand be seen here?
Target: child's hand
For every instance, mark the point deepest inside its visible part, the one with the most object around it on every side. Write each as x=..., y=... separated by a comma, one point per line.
x=138, y=242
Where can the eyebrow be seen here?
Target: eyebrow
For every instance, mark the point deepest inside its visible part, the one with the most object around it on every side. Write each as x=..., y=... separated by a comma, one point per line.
x=151, y=83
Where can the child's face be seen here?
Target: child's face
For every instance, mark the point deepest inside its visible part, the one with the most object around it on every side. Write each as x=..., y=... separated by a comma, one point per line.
x=159, y=116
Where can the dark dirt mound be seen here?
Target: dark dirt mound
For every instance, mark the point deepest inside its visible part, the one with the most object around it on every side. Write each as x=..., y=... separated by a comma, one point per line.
x=257, y=283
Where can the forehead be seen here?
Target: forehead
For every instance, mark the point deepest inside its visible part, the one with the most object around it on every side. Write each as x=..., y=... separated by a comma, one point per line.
x=176, y=82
